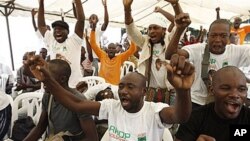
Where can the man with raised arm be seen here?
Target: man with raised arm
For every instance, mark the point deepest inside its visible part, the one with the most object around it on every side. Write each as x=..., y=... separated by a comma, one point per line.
x=150, y=118
x=153, y=47
x=60, y=45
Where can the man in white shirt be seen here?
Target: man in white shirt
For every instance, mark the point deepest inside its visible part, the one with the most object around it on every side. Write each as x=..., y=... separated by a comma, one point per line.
x=153, y=47
x=131, y=110
x=60, y=45
x=219, y=54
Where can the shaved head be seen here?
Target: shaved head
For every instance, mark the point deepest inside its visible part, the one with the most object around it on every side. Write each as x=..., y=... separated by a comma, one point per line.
x=138, y=77
x=228, y=69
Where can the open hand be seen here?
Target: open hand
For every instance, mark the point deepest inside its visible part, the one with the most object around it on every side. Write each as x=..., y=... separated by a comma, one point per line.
x=180, y=72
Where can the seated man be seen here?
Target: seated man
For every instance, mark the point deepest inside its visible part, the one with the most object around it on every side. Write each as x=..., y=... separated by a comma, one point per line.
x=131, y=110
x=24, y=82
x=57, y=117
x=212, y=121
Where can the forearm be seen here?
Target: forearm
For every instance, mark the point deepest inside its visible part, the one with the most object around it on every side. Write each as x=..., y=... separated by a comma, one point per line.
x=177, y=8
x=217, y=15
x=166, y=14
x=173, y=44
x=106, y=18
x=98, y=51
x=89, y=50
x=35, y=134
x=41, y=19
x=183, y=106
x=74, y=9
x=79, y=11
x=79, y=27
x=34, y=23
x=128, y=16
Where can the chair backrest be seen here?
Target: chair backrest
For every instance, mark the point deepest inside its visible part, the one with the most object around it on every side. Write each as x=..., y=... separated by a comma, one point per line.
x=92, y=80
x=4, y=78
x=30, y=104
x=126, y=68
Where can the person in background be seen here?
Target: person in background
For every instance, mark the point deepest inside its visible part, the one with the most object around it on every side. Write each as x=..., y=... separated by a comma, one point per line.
x=240, y=32
x=93, y=19
x=43, y=52
x=110, y=68
x=24, y=82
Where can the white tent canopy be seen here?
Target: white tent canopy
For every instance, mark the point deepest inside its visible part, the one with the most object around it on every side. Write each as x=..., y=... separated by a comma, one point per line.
x=202, y=12
x=23, y=38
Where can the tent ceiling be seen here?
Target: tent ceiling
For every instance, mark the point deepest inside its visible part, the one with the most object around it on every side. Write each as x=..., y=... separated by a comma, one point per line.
x=202, y=12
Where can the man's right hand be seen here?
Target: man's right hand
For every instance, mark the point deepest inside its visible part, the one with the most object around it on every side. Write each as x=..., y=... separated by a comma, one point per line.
x=203, y=137
x=36, y=63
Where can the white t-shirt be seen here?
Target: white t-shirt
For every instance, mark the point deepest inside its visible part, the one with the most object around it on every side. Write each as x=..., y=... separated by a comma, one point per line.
x=234, y=55
x=158, y=75
x=71, y=50
x=143, y=125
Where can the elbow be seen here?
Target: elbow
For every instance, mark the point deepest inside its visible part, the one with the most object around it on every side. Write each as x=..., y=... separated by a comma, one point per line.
x=184, y=118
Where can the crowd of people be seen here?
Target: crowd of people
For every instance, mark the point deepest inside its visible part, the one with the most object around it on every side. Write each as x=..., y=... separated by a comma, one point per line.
x=191, y=85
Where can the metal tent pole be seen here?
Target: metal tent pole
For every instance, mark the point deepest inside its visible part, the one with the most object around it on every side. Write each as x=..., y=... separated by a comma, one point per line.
x=6, y=13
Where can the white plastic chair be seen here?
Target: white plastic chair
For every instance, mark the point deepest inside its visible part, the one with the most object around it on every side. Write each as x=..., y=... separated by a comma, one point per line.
x=125, y=68
x=93, y=68
x=4, y=78
x=30, y=103
x=92, y=80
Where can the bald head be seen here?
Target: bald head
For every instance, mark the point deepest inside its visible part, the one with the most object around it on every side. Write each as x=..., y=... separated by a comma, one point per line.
x=137, y=78
x=58, y=67
x=230, y=71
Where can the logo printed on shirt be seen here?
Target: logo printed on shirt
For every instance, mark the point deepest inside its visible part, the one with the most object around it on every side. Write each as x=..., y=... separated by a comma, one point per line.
x=142, y=137
x=115, y=133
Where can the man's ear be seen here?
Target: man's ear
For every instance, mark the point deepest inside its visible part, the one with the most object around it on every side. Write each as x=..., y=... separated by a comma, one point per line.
x=211, y=90
x=144, y=91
